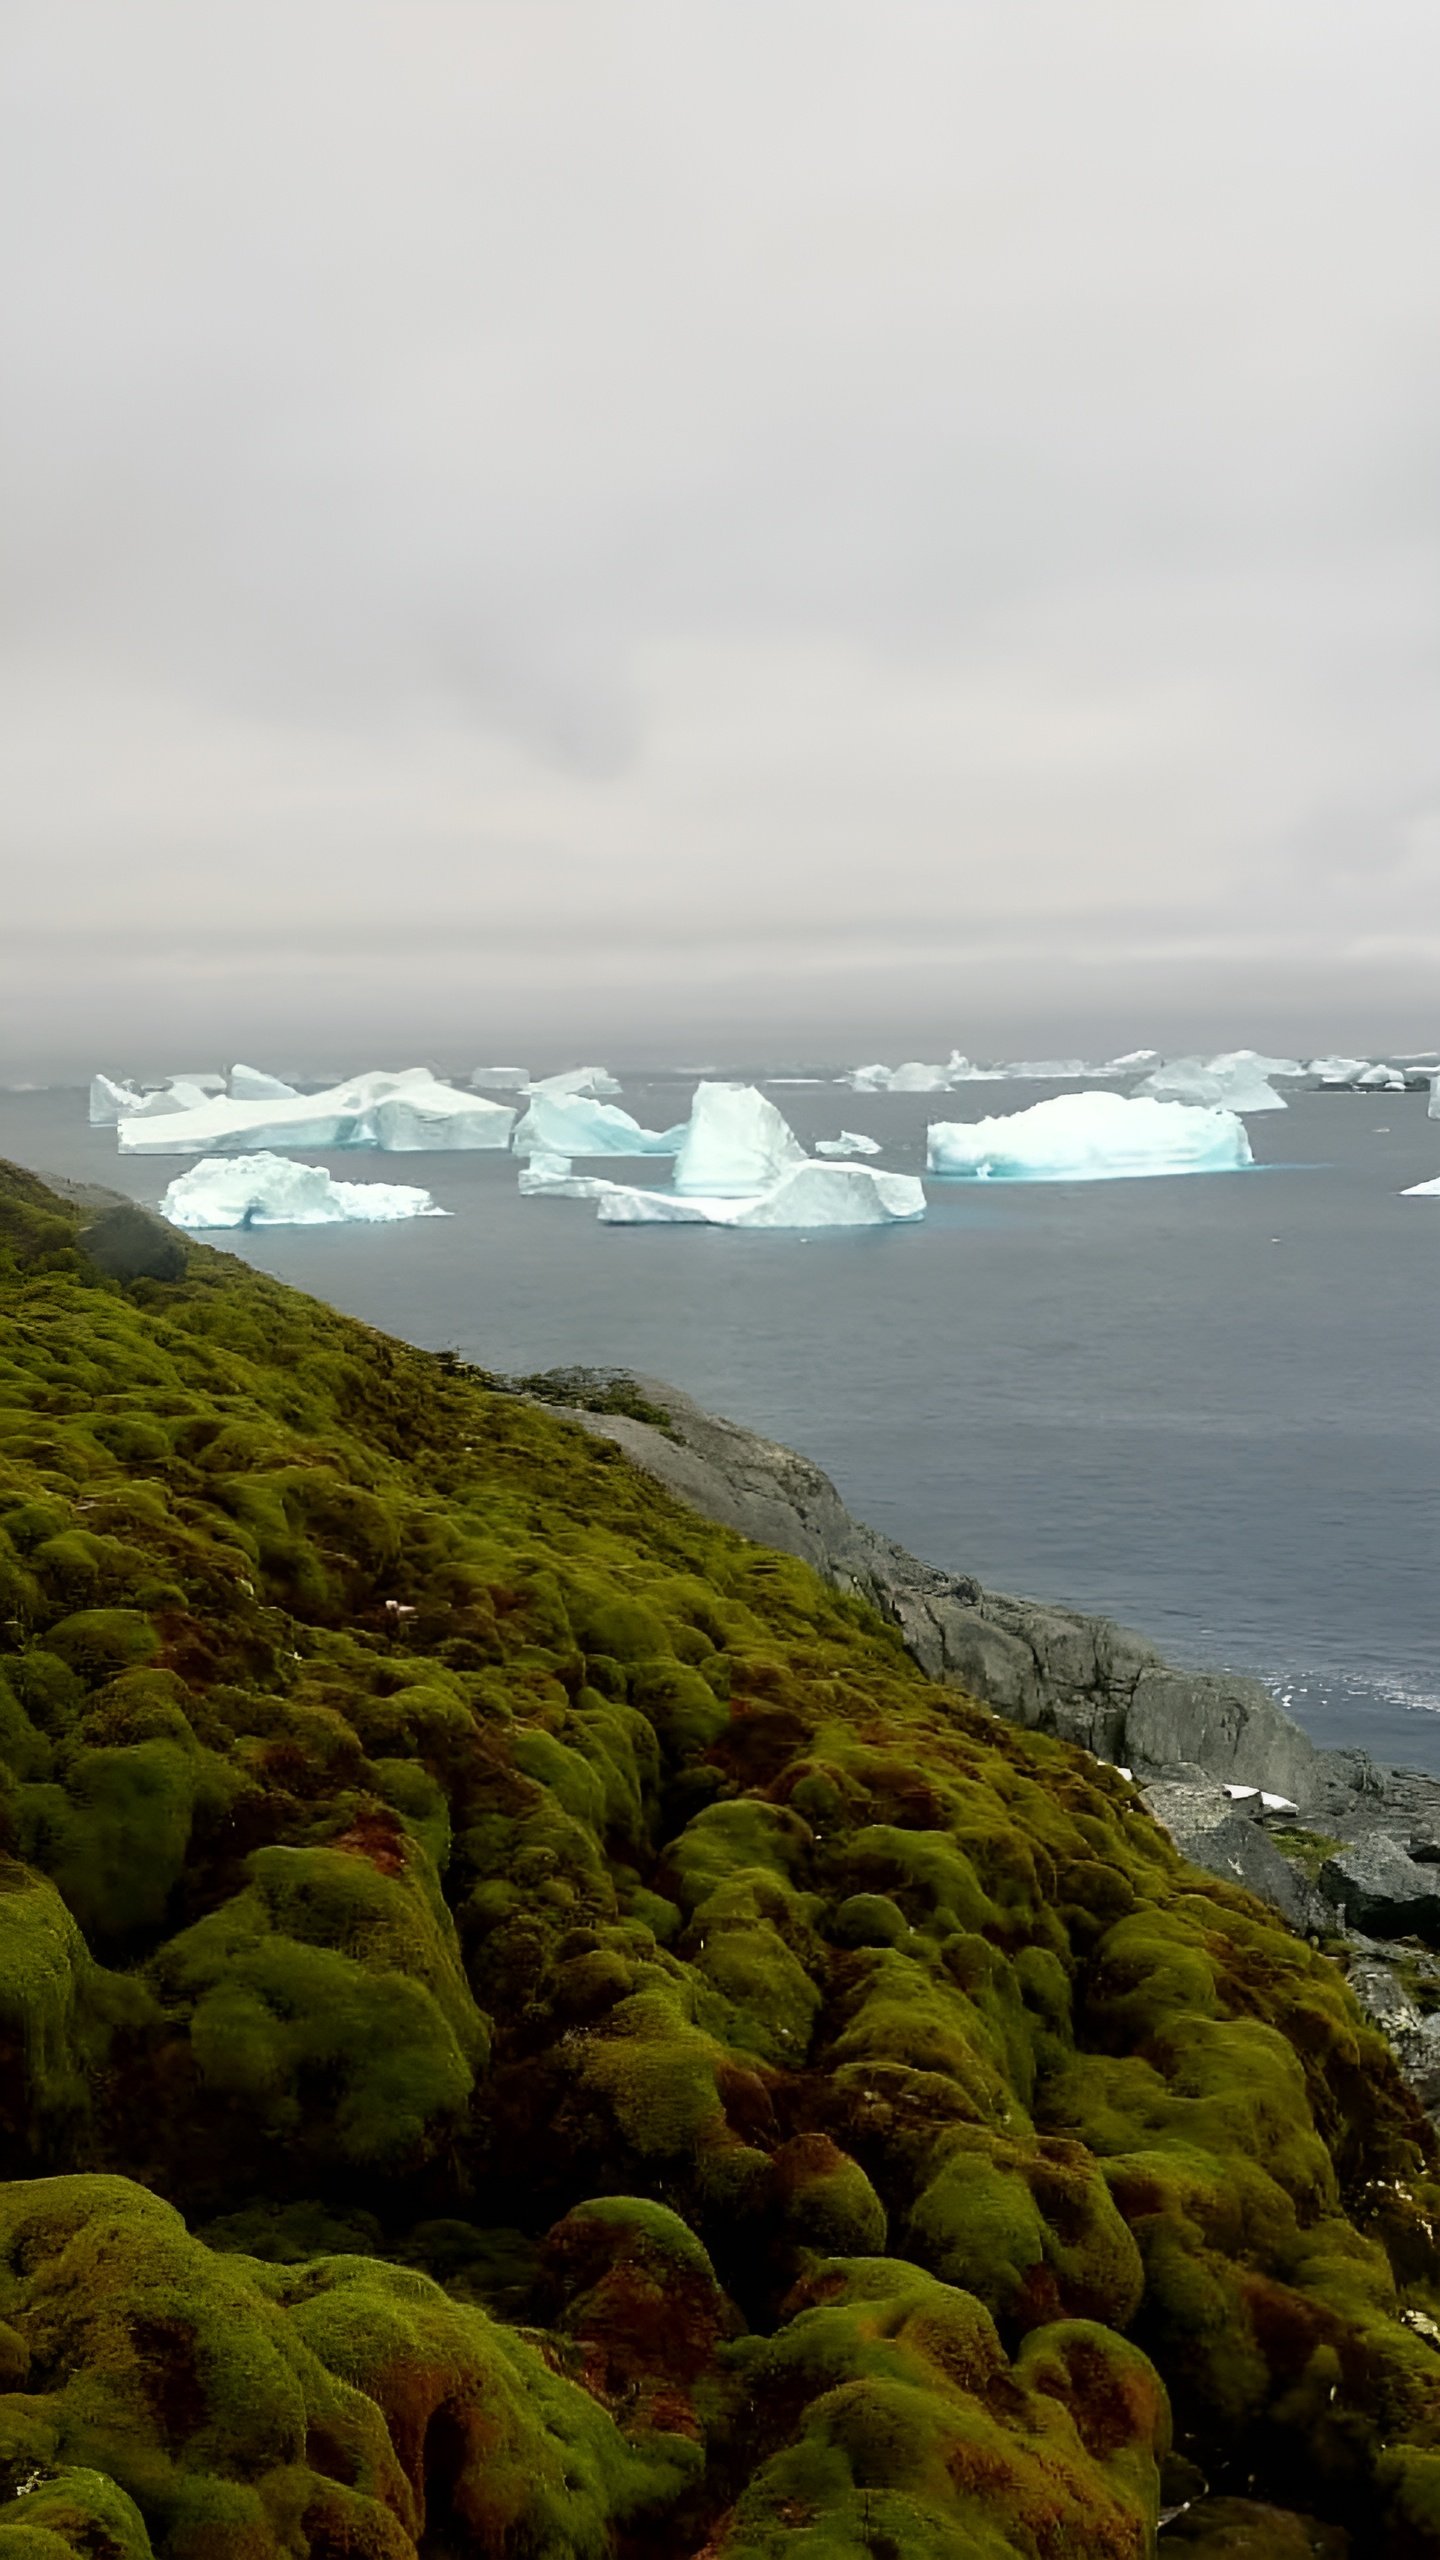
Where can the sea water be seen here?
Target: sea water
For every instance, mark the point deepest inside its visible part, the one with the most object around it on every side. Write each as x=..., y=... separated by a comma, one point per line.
x=1208, y=1406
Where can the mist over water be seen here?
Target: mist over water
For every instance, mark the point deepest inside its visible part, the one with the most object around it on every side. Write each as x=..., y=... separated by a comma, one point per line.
x=1204, y=1406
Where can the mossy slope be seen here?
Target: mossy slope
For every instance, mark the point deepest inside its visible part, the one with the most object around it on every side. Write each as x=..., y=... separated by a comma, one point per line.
x=619, y=2062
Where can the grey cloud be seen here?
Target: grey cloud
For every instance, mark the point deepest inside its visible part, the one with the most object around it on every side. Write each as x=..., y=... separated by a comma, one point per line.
x=722, y=506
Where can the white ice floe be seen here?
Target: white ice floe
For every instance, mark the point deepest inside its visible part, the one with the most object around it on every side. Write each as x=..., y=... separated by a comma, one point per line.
x=851, y=1142
x=1423, y=1190
x=500, y=1079
x=572, y=1124
x=553, y=1177
x=1381, y=1078
x=1046, y=1070
x=1133, y=1062
x=1090, y=1137
x=251, y=1084
x=736, y=1143
x=274, y=1191
x=406, y=1113
x=1229, y=1084
x=597, y=1082
x=806, y=1195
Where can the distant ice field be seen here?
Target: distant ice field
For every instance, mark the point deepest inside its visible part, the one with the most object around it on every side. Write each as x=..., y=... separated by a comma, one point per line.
x=1209, y=1407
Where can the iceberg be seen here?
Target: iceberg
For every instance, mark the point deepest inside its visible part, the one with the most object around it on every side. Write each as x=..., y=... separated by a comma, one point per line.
x=1423, y=1190
x=251, y=1084
x=1229, y=1085
x=1252, y=1062
x=1132, y=1062
x=805, y=1195
x=1090, y=1137
x=1337, y=1072
x=403, y=1113
x=571, y=1124
x=553, y=1177
x=736, y=1144
x=110, y=1102
x=1045, y=1070
x=851, y=1142
x=596, y=1082
x=500, y=1079
x=915, y=1076
x=1381, y=1079
x=274, y=1191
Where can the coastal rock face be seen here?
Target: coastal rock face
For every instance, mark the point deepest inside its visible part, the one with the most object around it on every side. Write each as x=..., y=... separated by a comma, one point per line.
x=1383, y=1891
x=530, y=2028
x=1216, y=1834
x=1057, y=1671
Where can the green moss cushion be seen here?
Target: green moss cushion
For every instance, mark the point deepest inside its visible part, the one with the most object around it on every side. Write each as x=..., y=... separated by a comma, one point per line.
x=527, y=2027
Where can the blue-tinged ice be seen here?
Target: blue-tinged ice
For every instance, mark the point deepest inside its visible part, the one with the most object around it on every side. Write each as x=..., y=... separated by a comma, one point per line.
x=1090, y=1137
x=572, y=1124
x=807, y=1195
x=406, y=1113
x=273, y=1191
x=736, y=1143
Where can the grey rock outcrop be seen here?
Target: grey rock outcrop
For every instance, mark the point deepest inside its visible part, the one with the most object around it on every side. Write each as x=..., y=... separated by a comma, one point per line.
x=1220, y=1836
x=1055, y=1670
x=1392, y=2003
x=1382, y=1890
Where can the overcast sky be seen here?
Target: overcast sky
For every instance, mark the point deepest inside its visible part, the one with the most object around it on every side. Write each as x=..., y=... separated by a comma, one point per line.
x=550, y=522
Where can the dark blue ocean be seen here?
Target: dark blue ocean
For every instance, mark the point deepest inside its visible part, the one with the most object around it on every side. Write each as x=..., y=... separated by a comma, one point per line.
x=1208, y=1406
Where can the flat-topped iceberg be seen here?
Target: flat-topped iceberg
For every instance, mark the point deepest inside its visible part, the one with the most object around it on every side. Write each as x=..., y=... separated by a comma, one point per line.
x=572, y=1124
x=500, y=1079
x=736, y=1144
x=851, y=1142
x=406, y=1113
x=274, y=1191
x=1090, y=1137
x=1229, y=1084
x=805, y=1195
